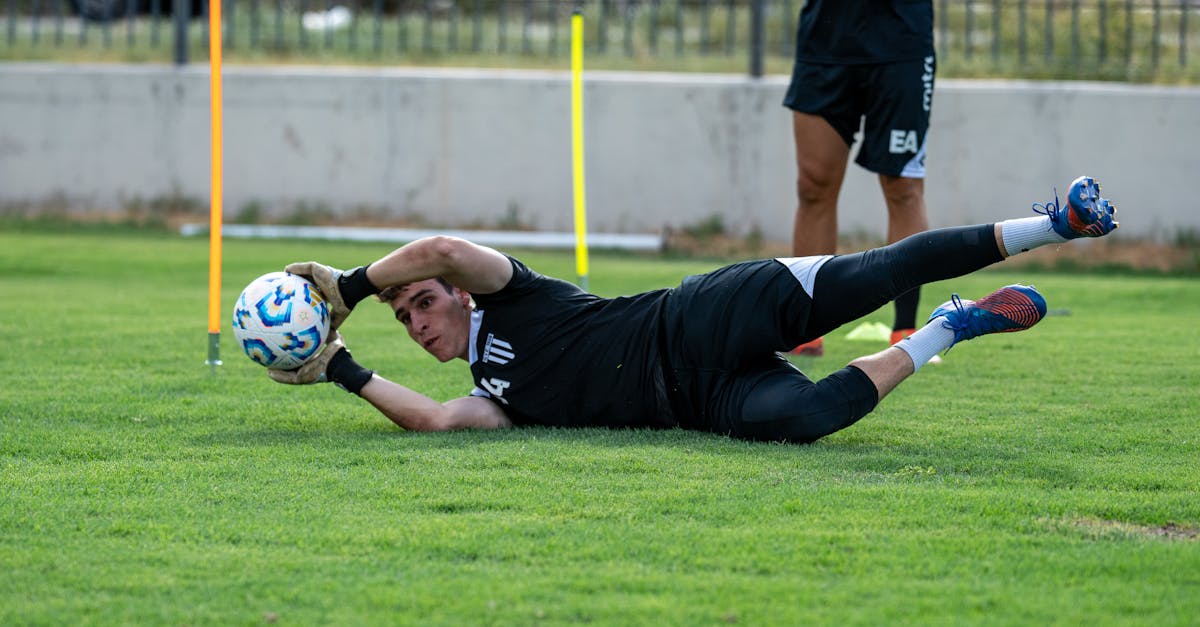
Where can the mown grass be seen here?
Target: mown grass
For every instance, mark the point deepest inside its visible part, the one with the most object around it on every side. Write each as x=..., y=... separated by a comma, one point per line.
x=1046, y=477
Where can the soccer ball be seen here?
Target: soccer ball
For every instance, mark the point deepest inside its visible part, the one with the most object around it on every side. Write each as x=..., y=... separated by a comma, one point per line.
x=281, y=320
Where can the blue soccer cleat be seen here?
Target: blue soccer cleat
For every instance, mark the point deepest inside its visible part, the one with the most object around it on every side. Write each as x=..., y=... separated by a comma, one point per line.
x=1008, y=309
x=1086, y=215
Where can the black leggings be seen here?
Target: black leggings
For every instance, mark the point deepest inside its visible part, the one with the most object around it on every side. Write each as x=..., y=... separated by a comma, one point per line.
x=849, y=287
x=771, y=400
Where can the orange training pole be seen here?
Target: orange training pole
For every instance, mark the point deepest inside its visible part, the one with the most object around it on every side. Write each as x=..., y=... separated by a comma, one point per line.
x=214, y=226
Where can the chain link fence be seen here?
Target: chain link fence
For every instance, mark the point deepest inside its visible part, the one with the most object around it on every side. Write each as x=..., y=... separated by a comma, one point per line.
x=1123, y=40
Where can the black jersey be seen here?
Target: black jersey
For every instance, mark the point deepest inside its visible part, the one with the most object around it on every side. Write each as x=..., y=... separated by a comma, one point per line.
x=551, y=354
x=864, y=31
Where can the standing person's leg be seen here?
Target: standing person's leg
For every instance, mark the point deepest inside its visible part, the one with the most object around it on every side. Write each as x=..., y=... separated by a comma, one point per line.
x=821, y=156
x=905, y=198
x=894, y=145
x=825, y=117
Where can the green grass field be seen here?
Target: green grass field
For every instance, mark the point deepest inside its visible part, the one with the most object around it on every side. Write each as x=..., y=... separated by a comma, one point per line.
x=1046, y=477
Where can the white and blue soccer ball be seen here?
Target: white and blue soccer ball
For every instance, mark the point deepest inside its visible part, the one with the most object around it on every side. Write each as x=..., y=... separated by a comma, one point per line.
x=281, y=320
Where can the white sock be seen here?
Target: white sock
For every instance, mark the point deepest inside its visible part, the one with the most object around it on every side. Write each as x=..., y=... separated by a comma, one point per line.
x=928, y=341
x=1024, y=234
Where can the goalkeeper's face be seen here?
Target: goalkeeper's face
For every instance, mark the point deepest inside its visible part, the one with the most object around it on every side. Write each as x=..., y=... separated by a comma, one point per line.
x=436, y=316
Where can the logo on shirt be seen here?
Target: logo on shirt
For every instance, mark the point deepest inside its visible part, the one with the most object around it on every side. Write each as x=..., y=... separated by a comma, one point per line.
x=497, y=351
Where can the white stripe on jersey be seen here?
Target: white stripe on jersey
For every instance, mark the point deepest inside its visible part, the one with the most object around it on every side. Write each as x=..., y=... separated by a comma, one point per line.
x=476, y=322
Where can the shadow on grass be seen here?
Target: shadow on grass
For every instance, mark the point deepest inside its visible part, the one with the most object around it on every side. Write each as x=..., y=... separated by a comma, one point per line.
x=857, y=453
x=458, y=439
x=855, y=462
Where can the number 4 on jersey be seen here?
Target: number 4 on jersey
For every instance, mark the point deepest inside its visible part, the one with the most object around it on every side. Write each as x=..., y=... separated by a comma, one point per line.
x=496, y=388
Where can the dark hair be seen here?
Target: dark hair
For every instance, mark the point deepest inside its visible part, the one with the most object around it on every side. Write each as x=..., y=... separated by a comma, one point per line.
x=388, y=293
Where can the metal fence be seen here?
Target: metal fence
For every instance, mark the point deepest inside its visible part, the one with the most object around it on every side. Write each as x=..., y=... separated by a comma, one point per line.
x=1132, y=40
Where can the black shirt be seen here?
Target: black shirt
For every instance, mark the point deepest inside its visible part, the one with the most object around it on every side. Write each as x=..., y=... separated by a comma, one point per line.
x=551, y=354
x=864, y=31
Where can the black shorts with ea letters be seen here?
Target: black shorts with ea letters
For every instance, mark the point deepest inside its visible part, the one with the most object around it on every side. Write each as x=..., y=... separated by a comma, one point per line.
x=891, y=101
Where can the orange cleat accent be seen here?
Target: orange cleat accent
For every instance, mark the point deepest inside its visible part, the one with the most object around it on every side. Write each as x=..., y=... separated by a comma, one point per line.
x=1086, y=213
x=811, y=348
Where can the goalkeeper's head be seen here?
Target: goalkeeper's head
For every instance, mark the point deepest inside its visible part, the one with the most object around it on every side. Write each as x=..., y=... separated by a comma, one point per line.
x=435, y=314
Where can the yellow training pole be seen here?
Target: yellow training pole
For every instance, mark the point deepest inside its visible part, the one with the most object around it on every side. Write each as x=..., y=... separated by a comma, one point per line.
x=214, y=225
x=581, y=251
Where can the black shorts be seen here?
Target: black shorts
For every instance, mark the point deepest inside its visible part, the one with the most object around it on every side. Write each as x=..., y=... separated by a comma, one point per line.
x=734, y=315
x=894, y=98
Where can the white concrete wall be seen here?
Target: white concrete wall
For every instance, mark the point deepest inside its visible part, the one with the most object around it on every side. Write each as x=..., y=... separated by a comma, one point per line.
x=463, y=147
